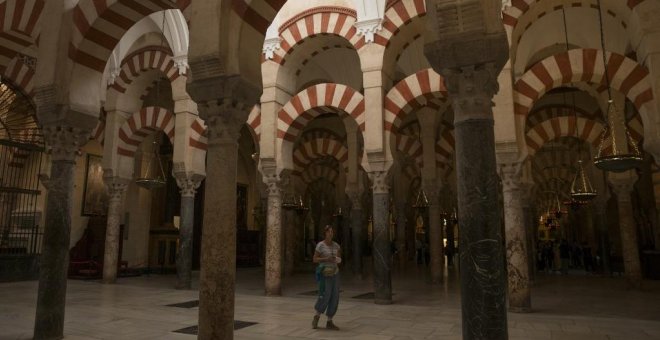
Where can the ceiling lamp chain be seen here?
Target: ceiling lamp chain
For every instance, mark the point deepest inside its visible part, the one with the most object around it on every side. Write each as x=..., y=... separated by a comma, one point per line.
x=152, y=179
x=581, y=188
x=614, y=154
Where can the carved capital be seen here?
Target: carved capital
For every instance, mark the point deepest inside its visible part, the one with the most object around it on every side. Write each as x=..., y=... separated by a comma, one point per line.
x=275, y=182
x=63, y=141
x=188, y=183
x=224, y=120
x=623, y=184
x=116, y=186
x=379, y=183
x=472, y=89
x=181, y=63
x=511, y=176
x=270, y=46
x=369, y=28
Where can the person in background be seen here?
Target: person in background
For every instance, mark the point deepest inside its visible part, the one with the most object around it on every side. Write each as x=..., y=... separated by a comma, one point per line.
x=328, y=256
x=564, y=255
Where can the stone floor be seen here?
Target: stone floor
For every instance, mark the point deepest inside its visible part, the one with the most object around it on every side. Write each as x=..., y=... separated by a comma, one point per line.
x=572, y=307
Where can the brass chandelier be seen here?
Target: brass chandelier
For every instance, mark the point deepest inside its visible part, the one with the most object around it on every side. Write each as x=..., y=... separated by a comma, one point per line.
x=613, y=153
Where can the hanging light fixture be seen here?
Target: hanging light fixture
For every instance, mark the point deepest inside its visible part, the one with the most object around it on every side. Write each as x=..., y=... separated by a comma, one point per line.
x=613, y=154
x=153, y=179
x=300, y=206
x=581, y=188
x=422, y=201
x=289, y=202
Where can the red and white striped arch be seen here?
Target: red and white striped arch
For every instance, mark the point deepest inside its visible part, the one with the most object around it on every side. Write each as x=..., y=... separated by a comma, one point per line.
x=254, y=123
x=424, y=88
x=20, y=27
x=21, y=75
x=317, y=171
x=140, y=125
x=444, y=147
x=198, y=138
x=302, y=108
x=511, y=15
x=411, y=147
x=100, y=24
x=582, y=66
x=150, y=58
x=258, y=14
x=306, y=152
x=398, y=14
x=546, y=112
x=312, y=23
x=587, y=130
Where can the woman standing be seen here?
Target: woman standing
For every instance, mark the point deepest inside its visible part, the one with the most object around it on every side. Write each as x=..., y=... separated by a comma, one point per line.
x=327, y=255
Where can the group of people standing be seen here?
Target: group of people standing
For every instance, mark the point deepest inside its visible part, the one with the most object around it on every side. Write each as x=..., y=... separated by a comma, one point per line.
x=558, y=256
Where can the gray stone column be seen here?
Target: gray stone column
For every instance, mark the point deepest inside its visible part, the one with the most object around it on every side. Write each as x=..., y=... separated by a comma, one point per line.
x=623, y=185
x=116, y=189
x=356, y=228
x=600, y=216
x=188, y=185
x=516, y=239
x=289, y=230
x=382, y=251
x=401, y=222
x=217, y=277
x=436, y=246
x=470, y=63
x=273, y=261
x=63, y=141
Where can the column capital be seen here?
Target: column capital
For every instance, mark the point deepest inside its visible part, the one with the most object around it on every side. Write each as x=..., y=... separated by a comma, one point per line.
x=117, y=186
x=472, y=88
x=511, y=176
x=224, y=120
x=64, y=141
x=379, y=183
x=622, y=184
x=188, y=182
x=275, y=182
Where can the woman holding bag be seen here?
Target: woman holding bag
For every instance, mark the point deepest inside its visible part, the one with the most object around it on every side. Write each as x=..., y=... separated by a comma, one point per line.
x=328, y=256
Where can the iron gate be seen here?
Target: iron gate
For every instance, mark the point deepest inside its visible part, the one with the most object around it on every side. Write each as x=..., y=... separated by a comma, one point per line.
x=20, y=231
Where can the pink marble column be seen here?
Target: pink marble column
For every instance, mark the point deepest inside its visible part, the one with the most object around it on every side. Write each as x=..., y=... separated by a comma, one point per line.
x=623, y=185
x=515, y=234
x=273, y=260
x=116, y=189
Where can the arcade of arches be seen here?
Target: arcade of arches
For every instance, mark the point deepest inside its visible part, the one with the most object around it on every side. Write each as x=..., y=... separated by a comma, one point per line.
x=176, y=136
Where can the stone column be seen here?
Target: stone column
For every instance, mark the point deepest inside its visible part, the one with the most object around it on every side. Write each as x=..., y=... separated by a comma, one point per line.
x=382, y=254
x=470, y=63
x=218, y=259
x=188, y=185
x=401, y=222
x=356, y=228
x=289, y=230
x=116, y=189
x=516, y=239
x=600, y=214
x=623, y=185
x=63, y=142
x=273, y=261
x=436, y=246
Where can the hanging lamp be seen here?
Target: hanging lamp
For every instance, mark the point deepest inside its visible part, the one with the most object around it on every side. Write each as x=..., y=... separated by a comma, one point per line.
x=422, y=201
x=153, y=179
x=581, y=188
x=612, y=154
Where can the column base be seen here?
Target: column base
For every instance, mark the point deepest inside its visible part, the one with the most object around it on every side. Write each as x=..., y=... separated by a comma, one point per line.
x=382, y=302
x=108, y=281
